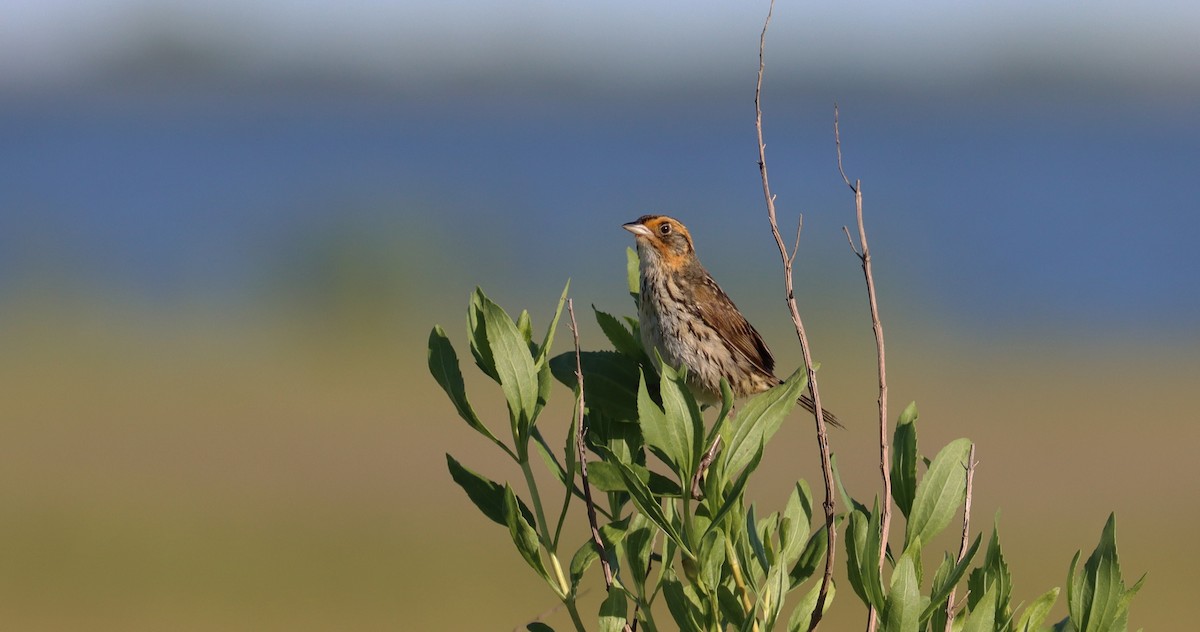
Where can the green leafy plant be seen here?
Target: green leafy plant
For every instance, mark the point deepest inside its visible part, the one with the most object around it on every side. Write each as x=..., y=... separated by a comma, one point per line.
x=672, y=520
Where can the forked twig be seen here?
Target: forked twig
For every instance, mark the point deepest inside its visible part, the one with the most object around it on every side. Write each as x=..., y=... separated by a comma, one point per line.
x=962, y=547
x=864, y=255
x=818, y=412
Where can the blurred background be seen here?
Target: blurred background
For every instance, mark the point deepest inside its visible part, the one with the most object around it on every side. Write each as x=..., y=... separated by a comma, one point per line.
x=227, y=228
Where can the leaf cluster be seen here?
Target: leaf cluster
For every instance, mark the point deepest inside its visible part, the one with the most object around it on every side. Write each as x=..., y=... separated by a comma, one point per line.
x=674, y=524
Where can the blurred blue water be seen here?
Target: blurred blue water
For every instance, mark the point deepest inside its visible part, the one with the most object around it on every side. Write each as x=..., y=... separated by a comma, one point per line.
x=1074, y=212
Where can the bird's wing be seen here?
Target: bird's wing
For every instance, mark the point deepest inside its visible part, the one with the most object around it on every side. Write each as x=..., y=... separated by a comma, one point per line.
x=719, y=312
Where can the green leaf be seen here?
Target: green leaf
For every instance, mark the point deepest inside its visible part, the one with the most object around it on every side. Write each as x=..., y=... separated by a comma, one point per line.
x=755, y=541
x=1031, y=620
x=613, y=611
x=1097, y=598
x=776, y=587
x=731, y=606
x=794, y=524
x=524, y=536
x=605, y=476
x=633, y=274
x=813, y=556
x=639, y=544
x=802, y=615
x=992, y=574
x=544, y=349
x=904, y=459
x=711, y=557
x=944, y=582
x=667, y=434
x=477, y=333
x=856, y=545
x=685, y=610
x=621, y=338
x=939, y=493
x=611, y=379
x=684, y=424
x=486, y=494
x=525, y=327
x=903, y=610
x=443, y=364
x=862, y=552
x=514, y=366
x=648, y=505
x=735, y=492
x=582, y=559
x=758, y=419
x=538, y=626
x=983, y=617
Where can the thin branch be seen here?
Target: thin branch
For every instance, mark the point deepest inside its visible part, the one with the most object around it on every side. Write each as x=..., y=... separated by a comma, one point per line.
x=850, y=240
x=885, y=464
x=818, y=412
x=962, y=547
x=796, y=246
x=580, y=432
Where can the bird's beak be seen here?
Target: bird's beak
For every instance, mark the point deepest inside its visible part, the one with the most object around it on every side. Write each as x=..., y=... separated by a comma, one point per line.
x=638, y=230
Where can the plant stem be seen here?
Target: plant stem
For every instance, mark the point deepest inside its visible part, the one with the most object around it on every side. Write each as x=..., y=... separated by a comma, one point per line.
x=731, y=557
x=575, y=615
x=544, y=528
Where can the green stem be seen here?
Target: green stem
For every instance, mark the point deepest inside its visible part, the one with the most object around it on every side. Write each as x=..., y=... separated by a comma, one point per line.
x=544, y=528
x=575, y=615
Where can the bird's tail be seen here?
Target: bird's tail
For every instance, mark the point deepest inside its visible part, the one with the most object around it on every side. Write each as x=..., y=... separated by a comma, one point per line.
x=830, y=418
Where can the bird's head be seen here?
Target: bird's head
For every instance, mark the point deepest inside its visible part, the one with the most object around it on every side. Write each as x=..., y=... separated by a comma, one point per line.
x=662, y=236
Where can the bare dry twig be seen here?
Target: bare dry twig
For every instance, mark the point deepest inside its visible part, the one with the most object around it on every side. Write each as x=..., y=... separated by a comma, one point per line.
x=863, y=252
x=962, y=547
x=818, y=412
x=580, y=448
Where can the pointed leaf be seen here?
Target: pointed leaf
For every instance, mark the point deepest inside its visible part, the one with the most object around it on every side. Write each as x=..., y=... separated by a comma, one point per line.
x=794, y=524
x=611, y=379
x=903, y=610
x=802, y=615
x=940, y=492
x=621, y=338
x=613, y=611
x=648, y=505
x=443, y=364
x=477, y=332
x=683, y=608
x=524, y=536
x=983, y=617
x=667, y=432
x=544, y=349
x=904, y=459
x=486, y=494
x=684, y=422
x=514, y=366
x=758, y=419
x=582, y=559
x=712, y=556
x=943, y=583
x=736, y=491
x=1031, y=620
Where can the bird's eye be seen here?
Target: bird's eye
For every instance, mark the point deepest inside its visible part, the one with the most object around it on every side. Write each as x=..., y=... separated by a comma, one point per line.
x=665, y=229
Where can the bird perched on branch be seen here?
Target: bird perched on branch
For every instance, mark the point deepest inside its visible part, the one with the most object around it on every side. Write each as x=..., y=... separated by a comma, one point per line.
x=692, y=323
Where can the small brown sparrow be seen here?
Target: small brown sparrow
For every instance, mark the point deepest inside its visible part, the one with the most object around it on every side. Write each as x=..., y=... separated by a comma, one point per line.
x=692, y=323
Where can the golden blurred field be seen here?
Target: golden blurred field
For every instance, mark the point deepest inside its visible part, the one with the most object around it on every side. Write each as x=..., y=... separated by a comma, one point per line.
x=171, y=470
